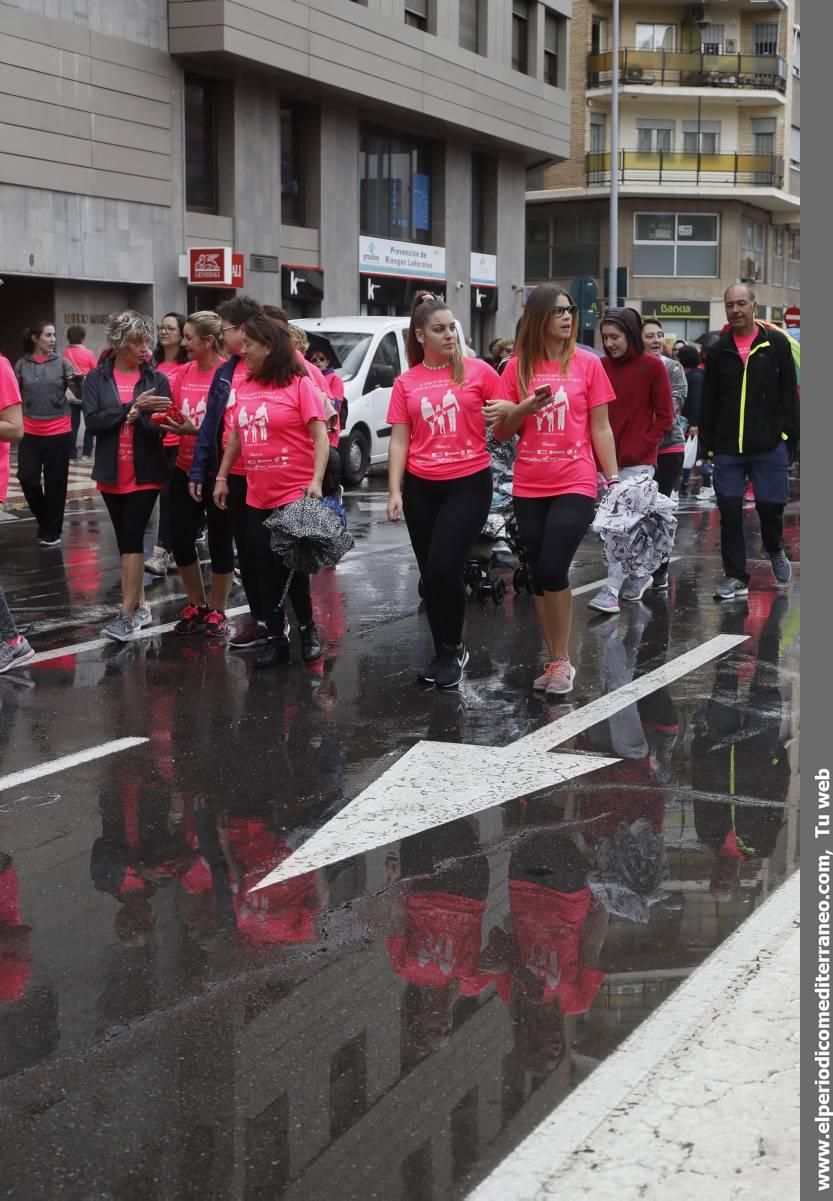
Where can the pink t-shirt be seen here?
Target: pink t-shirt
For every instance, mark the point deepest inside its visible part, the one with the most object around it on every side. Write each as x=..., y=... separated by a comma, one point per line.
x=278, y=451
x=239, y=375
x=9, y=391
x=744, y=344
x=189, y=389
x=126, y=480
x=171, y=370
x=80, y=359
x=555, y=451
x=448, y=430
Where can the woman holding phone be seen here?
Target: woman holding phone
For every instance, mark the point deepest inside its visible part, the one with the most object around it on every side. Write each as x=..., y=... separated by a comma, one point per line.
x=558, y=394
x=439, y=472
x=119, y=397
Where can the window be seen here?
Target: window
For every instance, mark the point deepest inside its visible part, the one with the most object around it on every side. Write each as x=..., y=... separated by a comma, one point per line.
x=385, y=356
x=711, y=39
x=200, y=145
x=598, y=133
x=701, y=137
x=520, y=36
x=555, y=31
x=794, y=262
x=292, y=177
x=653, y=136
x=395, y=186
x=562, y=246
x=797, y=51
x=483, y=212
x=795, y=148
x=777, y=257
x=676, y=244
x=473, y=25
x=656, y=37
x=752, y=250
x=416, y=14
x=765, y=37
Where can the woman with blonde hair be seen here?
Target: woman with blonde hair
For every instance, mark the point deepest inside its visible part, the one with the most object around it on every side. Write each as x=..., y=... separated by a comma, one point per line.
x=202, y=340
x=557, y=398
x=439, y=472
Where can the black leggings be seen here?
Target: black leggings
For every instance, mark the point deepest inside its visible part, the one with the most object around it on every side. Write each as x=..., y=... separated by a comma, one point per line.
x=551, y=529
x=238, y=512
x=163, y=536
x=443, y=518
x=186, y=520
x=130, y=513
x=669, y=471
x=272, y=576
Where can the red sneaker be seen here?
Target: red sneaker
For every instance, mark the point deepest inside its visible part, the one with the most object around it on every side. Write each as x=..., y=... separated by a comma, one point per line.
x=216, y=625
x=251, y=633
x=191, y=619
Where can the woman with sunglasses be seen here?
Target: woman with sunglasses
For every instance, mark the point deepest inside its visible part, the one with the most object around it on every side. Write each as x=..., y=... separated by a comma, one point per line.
x=557, y=399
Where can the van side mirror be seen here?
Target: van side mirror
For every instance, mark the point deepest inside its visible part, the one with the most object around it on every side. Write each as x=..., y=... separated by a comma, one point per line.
x=380, y=375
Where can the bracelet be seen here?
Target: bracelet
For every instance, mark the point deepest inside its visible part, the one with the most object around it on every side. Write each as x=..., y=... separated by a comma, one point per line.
x=613, y=479
x=220, y=479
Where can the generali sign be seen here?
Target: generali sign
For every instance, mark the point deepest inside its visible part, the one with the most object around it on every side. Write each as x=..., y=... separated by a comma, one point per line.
x=216, y=266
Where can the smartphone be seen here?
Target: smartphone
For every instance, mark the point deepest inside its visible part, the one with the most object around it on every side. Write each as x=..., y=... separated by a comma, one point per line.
x=543, y=393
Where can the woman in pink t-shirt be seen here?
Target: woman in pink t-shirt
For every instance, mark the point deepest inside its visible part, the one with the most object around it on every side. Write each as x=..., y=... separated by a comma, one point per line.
x=558, y=395
x=202, y=340
x=439, y=472
x=169, y=356
x=281, y=435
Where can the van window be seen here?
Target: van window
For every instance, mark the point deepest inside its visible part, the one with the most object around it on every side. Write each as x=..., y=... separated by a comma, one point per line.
x=386, y=355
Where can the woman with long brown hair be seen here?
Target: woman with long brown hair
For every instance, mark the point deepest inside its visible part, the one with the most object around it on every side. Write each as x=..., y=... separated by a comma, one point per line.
x=439, y=472
x=281, y=434
x=557, y=397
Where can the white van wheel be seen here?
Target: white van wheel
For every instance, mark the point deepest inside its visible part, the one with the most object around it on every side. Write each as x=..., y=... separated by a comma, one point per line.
x=355, y=457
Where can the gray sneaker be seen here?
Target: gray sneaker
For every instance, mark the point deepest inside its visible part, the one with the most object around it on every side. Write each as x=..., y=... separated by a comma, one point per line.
x=121, y=628
x=142, y=616
x=635, y=587
x=605, y=601
x=731, y=589
x=781, y=567
x=14, y=654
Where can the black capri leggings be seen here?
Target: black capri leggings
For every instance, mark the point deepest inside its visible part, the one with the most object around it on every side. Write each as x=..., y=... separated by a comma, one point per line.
x=130, y=513
x=186, y=519
x=551, y=529
x=443, y=518
x=272, y=577
x=669, y=471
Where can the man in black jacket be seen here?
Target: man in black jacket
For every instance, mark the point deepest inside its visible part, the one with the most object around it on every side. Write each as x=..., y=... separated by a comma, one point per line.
x=750, y=417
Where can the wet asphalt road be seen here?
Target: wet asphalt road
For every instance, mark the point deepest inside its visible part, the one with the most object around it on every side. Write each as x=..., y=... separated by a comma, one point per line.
x=392, y=1025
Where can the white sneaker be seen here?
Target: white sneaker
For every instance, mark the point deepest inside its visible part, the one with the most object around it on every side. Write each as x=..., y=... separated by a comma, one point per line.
x=142, y=616
x=706, y=494
x=158, y=562
x=675, y=499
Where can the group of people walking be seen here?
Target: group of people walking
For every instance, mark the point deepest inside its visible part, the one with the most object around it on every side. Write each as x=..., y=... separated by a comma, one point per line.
x=226, y=420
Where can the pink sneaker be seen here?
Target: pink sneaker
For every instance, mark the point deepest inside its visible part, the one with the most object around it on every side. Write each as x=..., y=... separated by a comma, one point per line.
x=540, y=685
x=562, y=674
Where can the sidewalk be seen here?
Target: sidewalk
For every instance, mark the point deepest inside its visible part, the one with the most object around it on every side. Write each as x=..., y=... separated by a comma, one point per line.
x=701, y=1102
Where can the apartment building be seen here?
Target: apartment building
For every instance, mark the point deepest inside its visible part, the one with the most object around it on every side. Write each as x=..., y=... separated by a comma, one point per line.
x=708, y=164
x=330, y=155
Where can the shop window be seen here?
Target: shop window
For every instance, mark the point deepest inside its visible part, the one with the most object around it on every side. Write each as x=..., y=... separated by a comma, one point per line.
x=473, y=20
x=676, y=244
x=555, y=42
x=777, y=258
x=765, y=37
x=292, y=166
x=416, y=14
x=520, y=36
x=395, y=186
x=655, y=37
x=752, y=250
x=200, y=144
x=794, y=262
x=562, y=247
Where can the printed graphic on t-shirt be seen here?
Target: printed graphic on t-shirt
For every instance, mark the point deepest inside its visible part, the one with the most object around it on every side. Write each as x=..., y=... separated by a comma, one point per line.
x=443, y=418
x=278, y=450
x=554, y=415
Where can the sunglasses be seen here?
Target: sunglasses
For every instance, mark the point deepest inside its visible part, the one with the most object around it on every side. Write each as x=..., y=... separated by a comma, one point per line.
x=559, y=310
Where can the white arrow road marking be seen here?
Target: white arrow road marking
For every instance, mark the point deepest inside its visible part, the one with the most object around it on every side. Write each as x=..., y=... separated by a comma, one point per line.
x=68, y=761
x=436, y=782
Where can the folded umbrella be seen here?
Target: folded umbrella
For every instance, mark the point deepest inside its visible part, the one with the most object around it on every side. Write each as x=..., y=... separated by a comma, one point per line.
x=307, y=535
x=637, y=525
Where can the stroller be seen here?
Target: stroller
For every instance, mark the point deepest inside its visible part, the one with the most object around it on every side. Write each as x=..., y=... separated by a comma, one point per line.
x=498, y=546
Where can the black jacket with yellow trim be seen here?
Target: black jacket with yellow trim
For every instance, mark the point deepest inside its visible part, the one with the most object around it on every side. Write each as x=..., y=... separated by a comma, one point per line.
x=749, y=409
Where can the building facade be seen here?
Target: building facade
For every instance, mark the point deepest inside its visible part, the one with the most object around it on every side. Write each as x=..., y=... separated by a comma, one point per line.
x=345, y=152
x=709, y=159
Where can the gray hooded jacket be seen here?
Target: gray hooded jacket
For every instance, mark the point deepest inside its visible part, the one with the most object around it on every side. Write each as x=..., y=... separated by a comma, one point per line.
x=43, y=387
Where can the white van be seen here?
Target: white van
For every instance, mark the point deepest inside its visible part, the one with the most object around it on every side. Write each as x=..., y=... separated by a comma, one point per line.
x=372, y=354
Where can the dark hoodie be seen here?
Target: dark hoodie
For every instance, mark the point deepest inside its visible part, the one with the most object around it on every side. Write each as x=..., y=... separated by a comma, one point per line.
x=644, y=410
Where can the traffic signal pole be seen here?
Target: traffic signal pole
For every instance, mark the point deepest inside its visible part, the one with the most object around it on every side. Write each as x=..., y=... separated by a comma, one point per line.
x=613, y=275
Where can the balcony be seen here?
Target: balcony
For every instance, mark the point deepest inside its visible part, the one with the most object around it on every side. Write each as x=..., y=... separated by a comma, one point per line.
x=673, y=167
x=689, y=69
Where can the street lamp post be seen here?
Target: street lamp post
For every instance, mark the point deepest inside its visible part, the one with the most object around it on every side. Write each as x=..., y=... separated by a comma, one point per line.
x=614, y=160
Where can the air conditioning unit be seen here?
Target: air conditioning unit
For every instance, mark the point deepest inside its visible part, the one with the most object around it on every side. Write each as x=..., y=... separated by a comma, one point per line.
x=750, y=271
x=696, y=14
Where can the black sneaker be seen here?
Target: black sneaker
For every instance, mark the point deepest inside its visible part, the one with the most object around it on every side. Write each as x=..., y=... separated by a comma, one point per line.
x=781, y=568
x=660, y=578
x=426, y=674
x=275, y=651
x=450, y=667
x=311, y=648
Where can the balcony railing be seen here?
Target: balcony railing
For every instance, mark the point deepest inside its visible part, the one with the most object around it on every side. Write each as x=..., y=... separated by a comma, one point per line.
x=670, y=166
x=689, y=69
